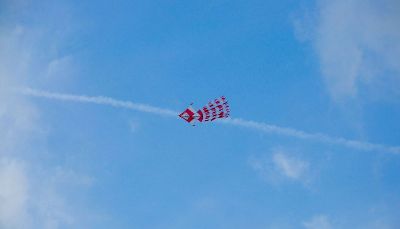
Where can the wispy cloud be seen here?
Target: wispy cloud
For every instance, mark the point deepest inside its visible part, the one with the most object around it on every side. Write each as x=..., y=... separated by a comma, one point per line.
x=31, y=200
x=263, y=127
x=358, y=45
x=133, y=125
x=370, y=220
x=32, y=193
x=291, y=167
x=281, y=166
x=13, y=194
x=318, y=222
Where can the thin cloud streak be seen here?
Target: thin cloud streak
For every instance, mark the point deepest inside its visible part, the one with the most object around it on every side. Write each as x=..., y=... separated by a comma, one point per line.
x=263, y=127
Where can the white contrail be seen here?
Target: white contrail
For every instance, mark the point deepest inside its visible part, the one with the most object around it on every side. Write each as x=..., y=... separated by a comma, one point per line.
x=267, y=128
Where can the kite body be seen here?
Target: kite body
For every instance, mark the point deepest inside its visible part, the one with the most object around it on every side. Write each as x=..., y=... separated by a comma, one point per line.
x=216, y=109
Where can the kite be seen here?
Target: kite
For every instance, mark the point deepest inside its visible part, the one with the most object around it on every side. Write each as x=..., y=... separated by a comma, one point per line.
x=216, y=109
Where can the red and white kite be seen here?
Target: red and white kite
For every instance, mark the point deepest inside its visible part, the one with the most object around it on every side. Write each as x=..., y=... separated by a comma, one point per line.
x=216, y=109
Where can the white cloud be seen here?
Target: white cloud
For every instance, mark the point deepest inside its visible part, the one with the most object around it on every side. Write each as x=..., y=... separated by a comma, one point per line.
x=368, y=221
x=32, y=193
x=291, y=167
x=32, y=199
x=50, y=198
x=18, y=122
x=281, y=166
x=318, y=222
x=18, y=117
x=61, y=69
x=13, y=195
x=358, y=44
x=134, y=125
x=27, y=201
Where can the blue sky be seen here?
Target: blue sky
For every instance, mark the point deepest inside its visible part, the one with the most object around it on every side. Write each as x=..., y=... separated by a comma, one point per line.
x=315, y=67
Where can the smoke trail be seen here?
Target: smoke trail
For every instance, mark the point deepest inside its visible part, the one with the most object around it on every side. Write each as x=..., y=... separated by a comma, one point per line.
x=99, y=100
x=266, y=128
